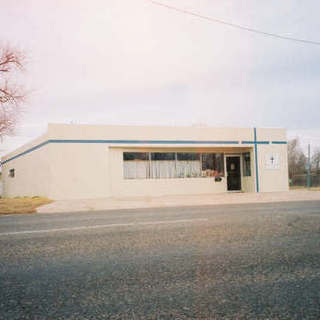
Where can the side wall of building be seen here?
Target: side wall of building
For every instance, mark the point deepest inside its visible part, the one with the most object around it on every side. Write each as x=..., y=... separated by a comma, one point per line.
x=79, y=171
x=31, y=175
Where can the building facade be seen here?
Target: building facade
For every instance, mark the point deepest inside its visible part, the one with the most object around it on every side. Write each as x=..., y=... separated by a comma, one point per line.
x=93, y=161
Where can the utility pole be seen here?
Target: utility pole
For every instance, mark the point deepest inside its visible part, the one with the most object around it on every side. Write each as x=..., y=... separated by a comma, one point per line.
x=309, y=168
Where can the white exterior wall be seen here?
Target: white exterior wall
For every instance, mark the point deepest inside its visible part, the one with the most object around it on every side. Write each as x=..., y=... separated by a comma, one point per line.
x=272, y=180
x=32, y=173
x=79, y=171
x=95, y=170
x=67, y=131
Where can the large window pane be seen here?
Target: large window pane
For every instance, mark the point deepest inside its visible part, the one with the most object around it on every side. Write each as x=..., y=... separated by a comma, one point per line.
x=188, y=165
x=136, y=165
x=163, y=165
x=212, y=165
x=219, y=164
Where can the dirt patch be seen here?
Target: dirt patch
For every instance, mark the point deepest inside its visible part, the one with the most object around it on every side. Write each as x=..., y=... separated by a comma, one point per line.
x=21, y=205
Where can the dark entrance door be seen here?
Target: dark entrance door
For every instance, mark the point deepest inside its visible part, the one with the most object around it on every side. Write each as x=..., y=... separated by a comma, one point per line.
x=234, y=173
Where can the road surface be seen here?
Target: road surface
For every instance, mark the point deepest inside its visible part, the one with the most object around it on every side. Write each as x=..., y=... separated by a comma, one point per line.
x=253, y=261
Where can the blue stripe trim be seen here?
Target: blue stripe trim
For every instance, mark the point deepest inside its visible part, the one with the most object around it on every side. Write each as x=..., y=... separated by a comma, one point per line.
x=117, y=141
x=138, y=142
x=146, y=141
x=256, y=159
x=255, y=142
x=25, y=152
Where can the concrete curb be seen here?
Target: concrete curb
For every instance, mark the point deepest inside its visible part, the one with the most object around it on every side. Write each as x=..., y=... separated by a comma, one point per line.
x=176, y=201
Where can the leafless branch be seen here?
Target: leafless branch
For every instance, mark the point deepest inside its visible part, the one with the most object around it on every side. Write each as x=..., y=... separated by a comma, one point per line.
x=10, y=58
x=12, y=96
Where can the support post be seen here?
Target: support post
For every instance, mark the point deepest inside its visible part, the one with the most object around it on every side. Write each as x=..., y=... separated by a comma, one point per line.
x=309, y=168
x=256, y=159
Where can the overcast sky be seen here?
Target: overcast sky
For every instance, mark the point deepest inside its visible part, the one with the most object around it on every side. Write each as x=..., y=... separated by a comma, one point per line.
x=132, y=62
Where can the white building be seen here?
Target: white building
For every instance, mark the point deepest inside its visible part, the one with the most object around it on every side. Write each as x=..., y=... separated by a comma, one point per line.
x=93, y=161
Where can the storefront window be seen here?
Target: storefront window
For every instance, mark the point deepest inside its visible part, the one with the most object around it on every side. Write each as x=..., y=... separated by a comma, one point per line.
x=164, y=165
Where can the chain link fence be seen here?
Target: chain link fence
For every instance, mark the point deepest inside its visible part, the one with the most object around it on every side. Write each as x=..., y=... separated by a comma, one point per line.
x=300, y=180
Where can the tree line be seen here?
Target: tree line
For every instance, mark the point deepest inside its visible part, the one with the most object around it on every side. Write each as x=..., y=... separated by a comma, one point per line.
x=298, y=161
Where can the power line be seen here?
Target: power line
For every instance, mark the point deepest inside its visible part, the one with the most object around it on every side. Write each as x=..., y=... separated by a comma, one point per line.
x=233, y=25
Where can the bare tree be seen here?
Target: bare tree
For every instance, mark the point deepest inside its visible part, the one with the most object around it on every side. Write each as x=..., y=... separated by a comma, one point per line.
x=11, y=95
x=296, y=158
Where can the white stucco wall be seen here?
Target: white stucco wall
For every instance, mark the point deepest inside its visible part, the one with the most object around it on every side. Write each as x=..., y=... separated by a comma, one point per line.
x=79, y=171
x=67, y=131
x=32, y=175
x=272, y=180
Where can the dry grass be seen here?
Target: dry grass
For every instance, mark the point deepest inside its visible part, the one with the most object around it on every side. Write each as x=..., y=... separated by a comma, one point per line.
x=21, y=205
x=314, y=189
x=305, y=188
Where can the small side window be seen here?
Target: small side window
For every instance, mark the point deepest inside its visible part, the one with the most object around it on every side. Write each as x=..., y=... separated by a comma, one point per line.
x=246, y=164
x=11, y=173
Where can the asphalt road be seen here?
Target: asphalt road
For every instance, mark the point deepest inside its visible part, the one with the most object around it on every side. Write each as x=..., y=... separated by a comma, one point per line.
x=255, y=261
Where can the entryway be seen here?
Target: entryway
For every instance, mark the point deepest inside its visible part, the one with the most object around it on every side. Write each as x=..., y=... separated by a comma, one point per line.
x=233, y=173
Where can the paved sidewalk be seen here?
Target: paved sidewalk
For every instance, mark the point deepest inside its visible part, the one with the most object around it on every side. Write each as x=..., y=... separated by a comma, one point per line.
x=176, y=201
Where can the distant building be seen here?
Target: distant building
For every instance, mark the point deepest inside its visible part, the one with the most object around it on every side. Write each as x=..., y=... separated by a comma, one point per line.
x=93, y=161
